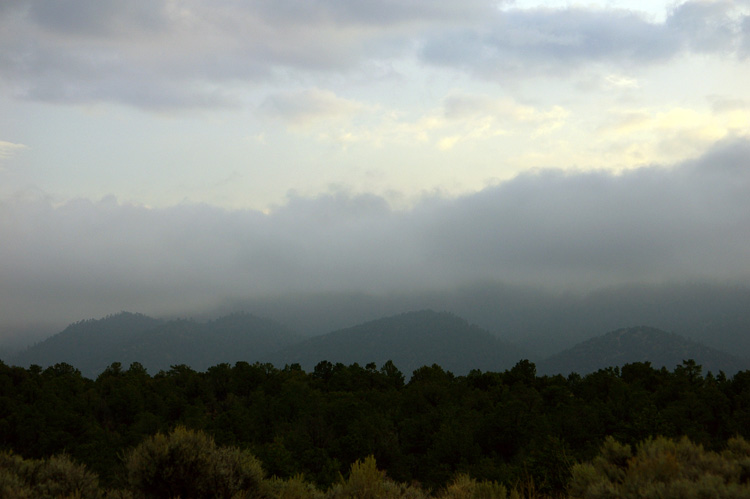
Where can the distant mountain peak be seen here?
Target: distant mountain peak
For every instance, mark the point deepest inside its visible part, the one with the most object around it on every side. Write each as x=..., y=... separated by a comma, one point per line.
x=92, y=345
x=411, y=340
x=639, y=344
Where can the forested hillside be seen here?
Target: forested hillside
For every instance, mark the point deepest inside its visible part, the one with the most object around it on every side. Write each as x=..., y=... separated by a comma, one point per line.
x=543, y=323
x=410, y=340
x=88, y=344
x=92, y=345
x=639, y=344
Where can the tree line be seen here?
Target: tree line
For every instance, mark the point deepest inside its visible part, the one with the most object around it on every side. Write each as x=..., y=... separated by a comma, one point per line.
x=504, y=428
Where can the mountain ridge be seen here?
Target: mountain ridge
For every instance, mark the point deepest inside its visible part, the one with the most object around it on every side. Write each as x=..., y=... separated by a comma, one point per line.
x=411, y=340
x=639, y=344
x=92, y=345
x=99, y=335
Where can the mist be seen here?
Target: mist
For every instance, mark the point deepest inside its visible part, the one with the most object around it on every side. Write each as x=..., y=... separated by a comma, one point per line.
x=550, y=231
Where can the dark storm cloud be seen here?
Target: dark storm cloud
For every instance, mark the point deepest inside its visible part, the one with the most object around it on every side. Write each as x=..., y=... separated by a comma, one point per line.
x=550, y=228
x=161, y=54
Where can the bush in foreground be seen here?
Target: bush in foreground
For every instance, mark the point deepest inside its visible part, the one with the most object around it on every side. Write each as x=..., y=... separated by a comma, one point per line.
x=662, y=467
x=58, y=476
x=189, y=464
x=465, y=487
x=366, y=481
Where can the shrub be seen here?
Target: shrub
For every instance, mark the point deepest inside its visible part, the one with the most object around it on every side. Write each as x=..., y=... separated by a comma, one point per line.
x=293, y=488
x=465, y=487
x=663, y=468
x=366, y=481
x=189, y=464
x=58, y=476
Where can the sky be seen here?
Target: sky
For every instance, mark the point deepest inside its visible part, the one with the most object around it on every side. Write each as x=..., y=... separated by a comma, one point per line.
x=157, y=155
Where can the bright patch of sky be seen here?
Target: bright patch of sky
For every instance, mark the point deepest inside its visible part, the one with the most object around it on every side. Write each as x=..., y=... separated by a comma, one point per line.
x=653, y=10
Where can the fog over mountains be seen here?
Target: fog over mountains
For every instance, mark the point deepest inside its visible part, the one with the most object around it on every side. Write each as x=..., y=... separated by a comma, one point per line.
x=640, y=344
x=545, y=260
x=542, y=322
x=409, y=340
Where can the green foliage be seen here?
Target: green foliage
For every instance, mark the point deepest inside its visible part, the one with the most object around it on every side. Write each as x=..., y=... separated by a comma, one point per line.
x=366, y=481
x=663, y=467
x=465, y=487
x=295, y=487
x=189, y=464
x=55, y=477
x=511, y=427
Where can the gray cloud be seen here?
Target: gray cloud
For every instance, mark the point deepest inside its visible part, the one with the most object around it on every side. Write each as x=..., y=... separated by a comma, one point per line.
x=745, y=37
x=378, y=13
x=519, y=42
x=596, y=228
x=161, y=54
x=708, y=26
x=549, y=229
x=96, y=18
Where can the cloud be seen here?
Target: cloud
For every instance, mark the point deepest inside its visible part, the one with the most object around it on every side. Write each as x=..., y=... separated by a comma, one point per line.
x=461, y=117
x=708, y=26
x=745, y=37
x=164, y=55
x=9, y=148
x=595, y=227
x=618, y=81
x=721, y=104
x=519, y=42
x=300, y=109
x=98, y=18
x=477, y=117
x=548, y=228
x=378, y=13
x=652, y=134
x=470, y=106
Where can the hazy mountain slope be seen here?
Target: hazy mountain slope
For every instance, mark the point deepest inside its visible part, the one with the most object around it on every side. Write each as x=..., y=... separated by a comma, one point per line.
x=639, y=344
x=15, y=339
x=237, y=337
x=410, y=340
x=93, y=345
x=542, y=322
x=87, y=344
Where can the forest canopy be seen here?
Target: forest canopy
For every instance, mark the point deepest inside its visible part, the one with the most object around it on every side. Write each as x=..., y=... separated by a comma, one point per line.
x=508, y=428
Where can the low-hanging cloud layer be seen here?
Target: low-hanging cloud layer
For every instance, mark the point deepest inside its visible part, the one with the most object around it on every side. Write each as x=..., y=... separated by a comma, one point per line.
x=548, y=228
